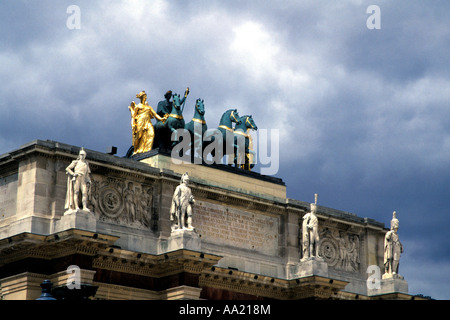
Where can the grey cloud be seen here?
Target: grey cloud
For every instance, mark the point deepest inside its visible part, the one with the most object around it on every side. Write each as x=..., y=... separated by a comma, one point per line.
x=367, y=109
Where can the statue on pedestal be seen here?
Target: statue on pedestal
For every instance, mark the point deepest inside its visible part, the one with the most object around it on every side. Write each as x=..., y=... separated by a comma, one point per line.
x=141, y=125
x=78, y=180
x=392, y=247
x=181, y=208
x=310, y=232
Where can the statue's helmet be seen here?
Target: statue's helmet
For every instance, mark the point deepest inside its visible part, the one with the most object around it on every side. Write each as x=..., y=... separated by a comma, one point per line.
x=141, y=94
x=82, y=154
x=394, y=222
x=185, y=177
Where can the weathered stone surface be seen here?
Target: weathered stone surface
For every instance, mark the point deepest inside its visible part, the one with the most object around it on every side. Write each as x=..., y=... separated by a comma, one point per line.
x=76, y=219
x=241, y=218
x=313, y=266
x=222, y=176
x=181, y=239
x=237, y=228
x=390, y=284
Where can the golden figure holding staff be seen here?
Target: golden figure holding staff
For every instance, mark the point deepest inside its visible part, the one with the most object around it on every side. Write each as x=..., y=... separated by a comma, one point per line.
x=141, y=125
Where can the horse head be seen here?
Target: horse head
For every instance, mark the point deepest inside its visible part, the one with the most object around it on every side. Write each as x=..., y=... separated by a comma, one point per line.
x=250, y=123
x=247, y=123
x=199, y=105
x=234, y=116
x=176, y=101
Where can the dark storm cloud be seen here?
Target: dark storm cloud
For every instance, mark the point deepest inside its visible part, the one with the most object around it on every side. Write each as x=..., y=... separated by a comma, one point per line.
x=363, y=114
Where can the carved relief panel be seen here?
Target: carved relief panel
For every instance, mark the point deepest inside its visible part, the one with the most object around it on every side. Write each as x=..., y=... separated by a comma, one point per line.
x=340, y=249
x=124, y=202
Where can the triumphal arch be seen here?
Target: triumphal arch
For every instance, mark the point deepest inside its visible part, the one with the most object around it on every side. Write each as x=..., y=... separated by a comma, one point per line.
x=145, y=227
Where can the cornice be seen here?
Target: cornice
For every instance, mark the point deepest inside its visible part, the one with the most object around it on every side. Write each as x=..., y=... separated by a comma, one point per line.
x=265, y=286
x=73, y=241
x=155, y=266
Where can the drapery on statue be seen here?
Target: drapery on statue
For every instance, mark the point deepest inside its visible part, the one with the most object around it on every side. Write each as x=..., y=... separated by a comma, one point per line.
x=141, y=125
x=181, y=208
x=310, y=232
x=78, y=180
x=392, y=247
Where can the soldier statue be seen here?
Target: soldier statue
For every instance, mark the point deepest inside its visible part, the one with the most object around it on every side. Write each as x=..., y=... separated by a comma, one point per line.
x=392, y=247
x=310, y=232
x=181, y=208
x=78, y=180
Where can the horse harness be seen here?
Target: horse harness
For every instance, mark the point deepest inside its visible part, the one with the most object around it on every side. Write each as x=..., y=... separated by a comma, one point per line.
x=176, y=116
x=199, y=120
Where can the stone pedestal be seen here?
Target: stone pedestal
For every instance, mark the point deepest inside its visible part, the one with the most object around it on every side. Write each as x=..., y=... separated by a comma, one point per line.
x=227, y=177
x=393, y=283
x=390, y=276
x=390, y=283
x=77, y=219
x=182, y=239
x=315, y=266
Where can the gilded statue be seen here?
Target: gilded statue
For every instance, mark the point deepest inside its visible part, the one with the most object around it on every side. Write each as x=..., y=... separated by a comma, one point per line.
x=141, y=125
x=78, y=180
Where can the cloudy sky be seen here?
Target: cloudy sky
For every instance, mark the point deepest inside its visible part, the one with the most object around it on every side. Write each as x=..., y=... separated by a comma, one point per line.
x=363, y=114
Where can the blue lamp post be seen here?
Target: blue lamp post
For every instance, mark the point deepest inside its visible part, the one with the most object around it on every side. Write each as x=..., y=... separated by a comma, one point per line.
x=46, y=294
